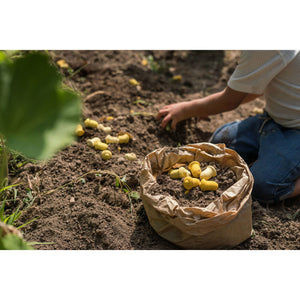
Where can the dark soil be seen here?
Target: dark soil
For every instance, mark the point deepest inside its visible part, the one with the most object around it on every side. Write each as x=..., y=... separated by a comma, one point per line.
x=80, y=202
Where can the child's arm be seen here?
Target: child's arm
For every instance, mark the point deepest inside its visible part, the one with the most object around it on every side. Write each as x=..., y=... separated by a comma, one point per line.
x=226, y=100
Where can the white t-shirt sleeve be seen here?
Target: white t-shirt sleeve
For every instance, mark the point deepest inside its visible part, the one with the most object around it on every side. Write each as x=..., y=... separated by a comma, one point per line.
x=256, y=68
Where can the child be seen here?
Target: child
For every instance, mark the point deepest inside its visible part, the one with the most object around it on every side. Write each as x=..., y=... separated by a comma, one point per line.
x=270, y=141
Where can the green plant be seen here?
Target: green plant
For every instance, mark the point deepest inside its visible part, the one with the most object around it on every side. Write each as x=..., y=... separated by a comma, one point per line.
x=139, y=102
x=38, y=115
x=17, y=161
x=73, y=73
x=30, y=197
x=121, y=182
x=13, y=242
x=143, y=113
x=13, y=217
x=154, y=65
x=6, y=188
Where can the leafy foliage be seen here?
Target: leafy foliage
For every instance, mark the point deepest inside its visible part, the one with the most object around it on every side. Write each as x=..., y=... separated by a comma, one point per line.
x=37, y=116
x=13, y=242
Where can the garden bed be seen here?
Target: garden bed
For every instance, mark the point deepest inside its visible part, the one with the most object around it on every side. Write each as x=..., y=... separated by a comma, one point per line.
x=80, y=198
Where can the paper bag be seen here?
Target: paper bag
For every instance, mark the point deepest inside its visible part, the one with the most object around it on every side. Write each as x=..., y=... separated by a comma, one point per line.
x=223, y=224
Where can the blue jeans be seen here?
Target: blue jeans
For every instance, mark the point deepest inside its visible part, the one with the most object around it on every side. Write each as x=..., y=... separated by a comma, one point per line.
x=273, y=151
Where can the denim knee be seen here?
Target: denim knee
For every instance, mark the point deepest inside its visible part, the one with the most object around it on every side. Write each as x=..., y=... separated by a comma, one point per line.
x=267, y=191
x=224, y=134
x=262, y=191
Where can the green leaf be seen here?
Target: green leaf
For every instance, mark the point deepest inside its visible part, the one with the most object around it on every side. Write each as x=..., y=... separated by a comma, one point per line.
x=2, y=56
x=117, y=182
x=37, y=116
x=40, y=243
x=3, y=166
x=2, y=210
x=134, y=195
x=13, y=242
x=8, y=187
x=140, y=101
x=13, y=217
x=28, y=222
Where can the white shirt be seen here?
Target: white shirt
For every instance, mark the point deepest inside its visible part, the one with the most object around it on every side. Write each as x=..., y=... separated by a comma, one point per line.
x=276, y=74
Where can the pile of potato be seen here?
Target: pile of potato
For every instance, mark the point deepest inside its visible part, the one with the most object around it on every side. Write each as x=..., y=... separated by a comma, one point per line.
x=97, y=144
x=195, y=177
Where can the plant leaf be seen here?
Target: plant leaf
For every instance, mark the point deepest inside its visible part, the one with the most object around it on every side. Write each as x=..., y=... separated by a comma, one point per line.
x=40, y=243
x=135, y=195
x=28, y=222
x=117, y=182
x=8, y=187
x=37, y=116
x=13, y=242
x=2, y=216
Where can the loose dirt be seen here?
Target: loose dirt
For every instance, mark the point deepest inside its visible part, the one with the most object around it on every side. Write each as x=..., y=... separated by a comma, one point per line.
x=80, y=201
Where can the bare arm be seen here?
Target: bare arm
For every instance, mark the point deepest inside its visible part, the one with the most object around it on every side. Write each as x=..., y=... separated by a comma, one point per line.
x=226, y=100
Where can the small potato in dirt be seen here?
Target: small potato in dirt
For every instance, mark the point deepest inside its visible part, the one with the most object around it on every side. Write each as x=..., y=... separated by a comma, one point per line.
x=123, y=139
x=88, y=123
x=190, y=182
x=179, y=173
x=106, y=129
x=130, y=156
x=208, y=173
x=194, y=166
x=133, y=81
x=79, y=130
x=100, y=146
x=91, y=142
x=208, y=185
x=111, y=139
x=106, y=154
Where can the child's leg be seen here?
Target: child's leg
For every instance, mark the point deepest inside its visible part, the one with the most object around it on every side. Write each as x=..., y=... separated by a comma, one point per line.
x=241, y=136
x=277, y=170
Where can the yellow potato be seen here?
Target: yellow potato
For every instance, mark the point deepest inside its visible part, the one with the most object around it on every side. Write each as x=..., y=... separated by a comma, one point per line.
x=111, y=139
x=179, y=173
x=177, y=77
x=194, y=166
x=130, y=156
x=208, y=173
x=132, y=81
x=100, y=146
x=124, y=138
x=91, y=142
x=106, y=154
x=208, y=185
x=190, y=182
x=79, y=130
x=90, y=123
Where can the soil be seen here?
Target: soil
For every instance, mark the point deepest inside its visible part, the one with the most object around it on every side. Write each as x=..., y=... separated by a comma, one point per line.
x=82, y=201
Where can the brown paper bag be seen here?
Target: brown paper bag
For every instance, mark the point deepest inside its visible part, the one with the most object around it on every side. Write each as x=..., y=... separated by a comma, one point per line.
x=223, y=224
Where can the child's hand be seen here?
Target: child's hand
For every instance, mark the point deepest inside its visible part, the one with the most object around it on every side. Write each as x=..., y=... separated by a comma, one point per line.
x=173, y=113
